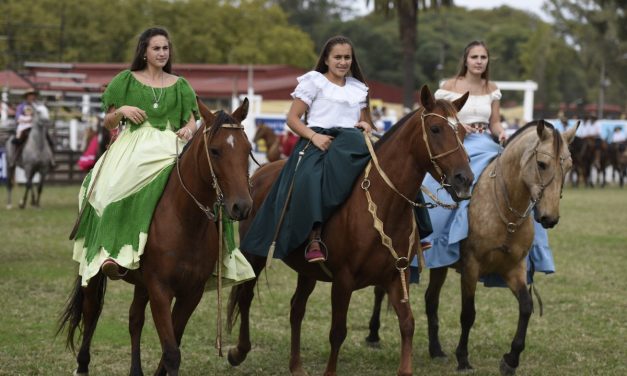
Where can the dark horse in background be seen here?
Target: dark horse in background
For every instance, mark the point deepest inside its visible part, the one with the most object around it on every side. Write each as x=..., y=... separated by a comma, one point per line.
x=36, y=157
x=176, y=265
x=527, y=177
x=424, y=141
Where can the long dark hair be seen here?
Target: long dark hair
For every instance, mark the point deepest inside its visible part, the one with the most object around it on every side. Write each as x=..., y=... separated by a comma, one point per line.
x=355, y=72
x=139, y=63
x=461, y=72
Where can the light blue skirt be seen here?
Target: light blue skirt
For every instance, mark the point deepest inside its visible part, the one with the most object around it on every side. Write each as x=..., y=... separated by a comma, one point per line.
x=450, y=227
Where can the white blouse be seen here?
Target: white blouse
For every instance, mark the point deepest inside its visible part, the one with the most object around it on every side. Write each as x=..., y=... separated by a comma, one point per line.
x=331, y=105
x=477, y=109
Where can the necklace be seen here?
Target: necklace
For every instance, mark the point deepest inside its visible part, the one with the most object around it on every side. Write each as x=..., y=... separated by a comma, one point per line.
x=156, y=99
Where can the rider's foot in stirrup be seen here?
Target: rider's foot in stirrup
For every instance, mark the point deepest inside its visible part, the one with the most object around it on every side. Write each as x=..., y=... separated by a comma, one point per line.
x=313, y=252
x=112, y=270
x=424, y=244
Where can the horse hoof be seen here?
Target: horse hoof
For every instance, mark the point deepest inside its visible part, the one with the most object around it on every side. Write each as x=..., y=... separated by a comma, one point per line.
x=299, y=372
x=234, y=357
x=76, y=373
x=506, y=369
x=375, y=344
x=465, y=370
x=438, y=355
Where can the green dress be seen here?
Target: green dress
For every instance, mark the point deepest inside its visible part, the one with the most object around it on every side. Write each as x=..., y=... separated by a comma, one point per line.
x=133, y=174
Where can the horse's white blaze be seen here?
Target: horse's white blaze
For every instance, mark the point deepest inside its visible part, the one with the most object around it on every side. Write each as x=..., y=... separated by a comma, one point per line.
x=231, y=141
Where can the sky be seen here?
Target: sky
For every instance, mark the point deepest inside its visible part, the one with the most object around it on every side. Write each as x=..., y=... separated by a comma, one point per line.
x=534, y=6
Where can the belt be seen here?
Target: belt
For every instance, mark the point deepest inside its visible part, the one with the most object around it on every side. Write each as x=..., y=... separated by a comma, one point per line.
x=480, y=126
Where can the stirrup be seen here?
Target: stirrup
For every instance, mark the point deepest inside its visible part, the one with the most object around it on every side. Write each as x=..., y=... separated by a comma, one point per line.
x=316, y=255
x=111, y=269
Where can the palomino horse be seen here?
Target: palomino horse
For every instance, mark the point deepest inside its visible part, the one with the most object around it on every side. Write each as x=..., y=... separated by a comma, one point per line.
x=529, y=174
x=424, y=141
x=36, y=158
x=176, y=265
x=273, y=150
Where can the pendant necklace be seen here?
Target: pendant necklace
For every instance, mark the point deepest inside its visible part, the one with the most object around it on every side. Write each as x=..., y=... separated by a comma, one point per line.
x=154, y=94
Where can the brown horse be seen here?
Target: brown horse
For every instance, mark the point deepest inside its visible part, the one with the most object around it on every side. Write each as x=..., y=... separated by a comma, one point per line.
x=182, y=246
x=265, y=133
x=424, y=141
x=530, y=173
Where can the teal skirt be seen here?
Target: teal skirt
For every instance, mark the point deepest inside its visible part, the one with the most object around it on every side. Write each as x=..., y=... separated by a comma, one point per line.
x=322, y=183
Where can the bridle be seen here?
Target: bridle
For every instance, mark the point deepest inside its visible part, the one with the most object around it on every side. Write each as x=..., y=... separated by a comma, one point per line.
x=512, y=226
x=214, y=213
x=402, y=262
x=219, y=203
x=433, y=158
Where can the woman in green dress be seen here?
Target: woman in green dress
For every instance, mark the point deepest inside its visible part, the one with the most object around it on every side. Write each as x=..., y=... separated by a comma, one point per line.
x=122, y=191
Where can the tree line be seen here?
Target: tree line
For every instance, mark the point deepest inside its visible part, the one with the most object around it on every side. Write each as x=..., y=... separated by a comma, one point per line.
x=582, y=51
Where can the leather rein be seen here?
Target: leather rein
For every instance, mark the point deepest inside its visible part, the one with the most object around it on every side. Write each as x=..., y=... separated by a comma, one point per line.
x=402, y=262
x=218, y=206
x=512, y=226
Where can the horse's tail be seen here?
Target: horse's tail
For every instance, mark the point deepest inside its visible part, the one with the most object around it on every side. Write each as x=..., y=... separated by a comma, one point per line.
x=232, y=308
x=73, y=312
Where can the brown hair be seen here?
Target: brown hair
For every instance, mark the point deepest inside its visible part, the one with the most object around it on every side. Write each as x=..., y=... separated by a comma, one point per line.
x=461, y=72
x=139, y=62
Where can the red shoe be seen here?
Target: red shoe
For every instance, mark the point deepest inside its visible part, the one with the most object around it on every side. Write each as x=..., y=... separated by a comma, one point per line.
x=425, y=245
x=313, y=253
x=112, y=270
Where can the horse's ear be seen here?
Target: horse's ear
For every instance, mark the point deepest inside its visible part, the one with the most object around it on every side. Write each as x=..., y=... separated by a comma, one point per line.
x=207, y=116
x=569, y=135
x=543, y=133
x=241, y=112
x=426, y=98
x=461, y=101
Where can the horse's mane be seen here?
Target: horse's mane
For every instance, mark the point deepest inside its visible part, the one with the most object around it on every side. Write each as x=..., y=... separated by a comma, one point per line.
x=557, y=140
x=448, y=109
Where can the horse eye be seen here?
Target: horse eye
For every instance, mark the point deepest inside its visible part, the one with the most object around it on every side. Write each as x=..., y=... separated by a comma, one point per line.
x=542, y=165
x=435, y=129
x=214, y=152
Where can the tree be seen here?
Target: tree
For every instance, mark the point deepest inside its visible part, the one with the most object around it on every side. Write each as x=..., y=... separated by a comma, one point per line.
x=597, y=30
x=407, y=13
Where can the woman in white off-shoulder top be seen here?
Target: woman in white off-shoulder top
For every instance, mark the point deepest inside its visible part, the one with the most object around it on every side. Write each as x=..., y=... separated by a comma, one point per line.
x=334, y=101
x=481, y=118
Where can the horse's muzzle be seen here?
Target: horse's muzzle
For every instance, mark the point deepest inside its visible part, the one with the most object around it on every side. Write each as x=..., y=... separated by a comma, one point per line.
x=239, y=209
x=459, y=185
x=547, y=221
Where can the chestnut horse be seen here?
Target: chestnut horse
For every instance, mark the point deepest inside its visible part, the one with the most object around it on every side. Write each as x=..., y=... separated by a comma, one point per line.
x=265, y=133
x=424, y=141
x=182, y=246
x=528, y=175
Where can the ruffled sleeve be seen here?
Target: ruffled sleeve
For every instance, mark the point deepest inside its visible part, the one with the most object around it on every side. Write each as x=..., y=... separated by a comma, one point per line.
x=188, y=102
x=308, y=87
x=495, y=95
x=115, y=93
x=358, y=90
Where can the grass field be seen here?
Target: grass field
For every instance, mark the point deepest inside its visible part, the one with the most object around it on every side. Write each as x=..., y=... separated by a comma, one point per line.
x=583, y=330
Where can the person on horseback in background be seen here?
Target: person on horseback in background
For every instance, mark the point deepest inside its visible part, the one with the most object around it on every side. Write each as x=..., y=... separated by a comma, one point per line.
x=334, y=100
x=24, y=116
x=480, y=116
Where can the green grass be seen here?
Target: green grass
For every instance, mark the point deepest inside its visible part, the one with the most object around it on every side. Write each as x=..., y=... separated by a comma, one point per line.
x=582, y=332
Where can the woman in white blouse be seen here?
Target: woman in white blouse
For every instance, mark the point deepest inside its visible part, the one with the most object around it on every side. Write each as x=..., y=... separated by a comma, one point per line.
x=481, y=118
x=333, y=99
